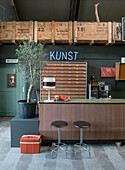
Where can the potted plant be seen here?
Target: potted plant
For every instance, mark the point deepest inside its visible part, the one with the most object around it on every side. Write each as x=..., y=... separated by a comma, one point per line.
x=30, y=56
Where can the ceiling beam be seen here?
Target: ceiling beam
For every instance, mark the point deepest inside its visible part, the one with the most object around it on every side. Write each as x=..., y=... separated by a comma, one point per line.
x=77, y=10
x=15, y=10
x=74, y=10
x=71, y=10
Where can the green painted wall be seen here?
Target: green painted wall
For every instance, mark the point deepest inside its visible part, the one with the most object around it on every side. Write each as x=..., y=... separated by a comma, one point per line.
x=10, y=95
x=96, y=56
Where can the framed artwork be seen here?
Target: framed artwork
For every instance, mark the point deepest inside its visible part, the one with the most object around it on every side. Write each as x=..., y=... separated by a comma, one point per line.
x=11, y=80
x=107, y=71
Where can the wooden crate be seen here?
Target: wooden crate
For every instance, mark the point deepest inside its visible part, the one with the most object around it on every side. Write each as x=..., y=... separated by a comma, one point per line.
x=63, y=32
x=24, y=30
x=117, y=32
x=43, y=31
x=53, y=32
x=7, y=31
x=92, y=32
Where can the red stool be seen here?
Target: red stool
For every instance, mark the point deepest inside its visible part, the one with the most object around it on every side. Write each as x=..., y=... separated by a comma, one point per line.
x=30, y=143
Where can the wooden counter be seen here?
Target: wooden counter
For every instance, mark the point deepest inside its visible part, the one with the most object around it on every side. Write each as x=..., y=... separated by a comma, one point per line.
x=106, y=116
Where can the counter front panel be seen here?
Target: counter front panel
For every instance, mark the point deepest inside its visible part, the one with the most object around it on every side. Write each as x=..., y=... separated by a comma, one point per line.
x=107, y=120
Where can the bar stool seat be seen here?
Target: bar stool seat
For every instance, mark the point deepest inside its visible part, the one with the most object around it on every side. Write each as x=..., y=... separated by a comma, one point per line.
x=59, y=124
x=81, y=124
x=79, y=146
x=59, y=146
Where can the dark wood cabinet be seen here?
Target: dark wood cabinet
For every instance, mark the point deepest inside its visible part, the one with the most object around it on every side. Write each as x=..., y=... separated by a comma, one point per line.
x=120, y=71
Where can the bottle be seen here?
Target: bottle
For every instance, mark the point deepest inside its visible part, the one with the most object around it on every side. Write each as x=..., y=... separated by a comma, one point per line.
x=110, y=97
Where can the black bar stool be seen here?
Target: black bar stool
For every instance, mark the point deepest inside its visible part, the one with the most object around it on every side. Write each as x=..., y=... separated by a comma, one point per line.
x=56, y=146
x=79, y=146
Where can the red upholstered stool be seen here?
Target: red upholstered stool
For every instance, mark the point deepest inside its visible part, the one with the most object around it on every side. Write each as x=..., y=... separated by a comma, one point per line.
x=30, y=143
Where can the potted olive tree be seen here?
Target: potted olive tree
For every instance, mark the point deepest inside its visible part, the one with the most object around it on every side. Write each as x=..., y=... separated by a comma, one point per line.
x=30, y=56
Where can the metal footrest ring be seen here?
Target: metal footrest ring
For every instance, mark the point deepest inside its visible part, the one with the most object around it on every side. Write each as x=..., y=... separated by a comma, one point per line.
x=78, y=147
x=58, y=147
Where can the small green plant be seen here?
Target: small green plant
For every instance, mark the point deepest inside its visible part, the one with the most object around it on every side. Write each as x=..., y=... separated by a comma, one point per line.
x=30, y=57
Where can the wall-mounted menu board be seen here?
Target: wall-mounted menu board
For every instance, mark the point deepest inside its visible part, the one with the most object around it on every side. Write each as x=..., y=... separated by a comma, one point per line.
x=71, y=80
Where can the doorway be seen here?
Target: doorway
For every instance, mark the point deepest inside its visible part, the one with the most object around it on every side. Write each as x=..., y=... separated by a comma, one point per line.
x=10, y=95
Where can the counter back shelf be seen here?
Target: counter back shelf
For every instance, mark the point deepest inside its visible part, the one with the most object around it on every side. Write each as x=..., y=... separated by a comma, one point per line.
x=71, y=79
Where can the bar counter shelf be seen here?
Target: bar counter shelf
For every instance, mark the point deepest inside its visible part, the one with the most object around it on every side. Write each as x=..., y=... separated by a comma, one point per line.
x=106, y=116
x=73, y=101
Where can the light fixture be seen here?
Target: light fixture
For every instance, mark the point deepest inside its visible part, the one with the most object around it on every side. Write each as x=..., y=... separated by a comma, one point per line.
x=49, y=83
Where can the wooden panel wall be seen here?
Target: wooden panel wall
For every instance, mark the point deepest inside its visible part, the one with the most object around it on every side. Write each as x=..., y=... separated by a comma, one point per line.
x=107, y=121
x=71, y=79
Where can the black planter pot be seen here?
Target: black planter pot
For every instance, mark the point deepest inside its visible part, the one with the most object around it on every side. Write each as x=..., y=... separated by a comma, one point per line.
x=26, y=110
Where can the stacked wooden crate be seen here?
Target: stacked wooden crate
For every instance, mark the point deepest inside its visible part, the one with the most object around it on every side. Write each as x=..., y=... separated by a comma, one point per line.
x=43, y=31
x=61, y=32
x=12, y=32
x=53, y=32
x=24, y=31
x=71, y=79
x=92, y=32
x=7, y=31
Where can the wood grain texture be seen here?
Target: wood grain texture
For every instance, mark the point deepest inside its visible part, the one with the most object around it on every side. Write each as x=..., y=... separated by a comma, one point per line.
x=70, y=79
x=92, y=32
x=120, y=71
x=107, y=121
x=7, y=31
x=24, y=30
x=51, y=32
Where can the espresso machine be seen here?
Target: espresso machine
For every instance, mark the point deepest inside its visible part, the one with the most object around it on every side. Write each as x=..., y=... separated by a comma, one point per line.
x=104, y=90
x=99, y=90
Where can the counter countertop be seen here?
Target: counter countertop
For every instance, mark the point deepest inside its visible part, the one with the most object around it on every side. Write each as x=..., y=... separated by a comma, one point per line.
x=86, y=101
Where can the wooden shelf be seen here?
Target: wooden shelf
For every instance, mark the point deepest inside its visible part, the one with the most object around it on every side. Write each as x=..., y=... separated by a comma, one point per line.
x=120, y=71
x=71, y=79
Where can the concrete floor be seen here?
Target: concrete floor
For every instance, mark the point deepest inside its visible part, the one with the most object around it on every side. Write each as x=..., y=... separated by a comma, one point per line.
x=103, y=157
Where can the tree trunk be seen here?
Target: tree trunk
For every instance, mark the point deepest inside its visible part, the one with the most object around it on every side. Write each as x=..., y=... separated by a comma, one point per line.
x=29, y=93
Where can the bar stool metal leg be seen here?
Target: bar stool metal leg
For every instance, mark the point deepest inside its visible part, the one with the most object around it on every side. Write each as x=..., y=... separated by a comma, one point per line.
x=81, y=136
x=81, y=146
x=59, y=146
x=59, y=137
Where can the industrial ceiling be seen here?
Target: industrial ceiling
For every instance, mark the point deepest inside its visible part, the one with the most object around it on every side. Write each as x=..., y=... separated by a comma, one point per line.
x=65, y=10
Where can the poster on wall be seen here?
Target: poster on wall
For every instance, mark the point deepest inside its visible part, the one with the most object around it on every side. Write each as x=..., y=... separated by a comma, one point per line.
x=11, y=80
x=107, y=71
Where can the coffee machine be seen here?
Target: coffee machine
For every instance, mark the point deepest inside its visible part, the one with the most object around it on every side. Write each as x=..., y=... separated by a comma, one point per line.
x=104, y=90
x=99, y=90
